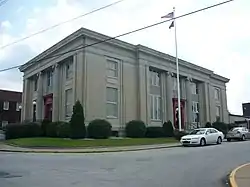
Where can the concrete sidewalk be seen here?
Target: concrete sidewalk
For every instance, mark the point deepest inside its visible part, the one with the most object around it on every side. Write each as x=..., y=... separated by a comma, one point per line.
x=240, y=176
x=9, y=148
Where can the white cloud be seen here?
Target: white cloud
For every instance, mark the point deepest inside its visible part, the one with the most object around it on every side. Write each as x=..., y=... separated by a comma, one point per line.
x=6, y=25
x=212, y=39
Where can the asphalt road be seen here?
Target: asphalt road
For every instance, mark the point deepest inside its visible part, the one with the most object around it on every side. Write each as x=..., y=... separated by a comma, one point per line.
x=173, y=167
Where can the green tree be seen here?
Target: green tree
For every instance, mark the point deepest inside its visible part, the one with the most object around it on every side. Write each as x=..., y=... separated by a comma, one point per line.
x=208, y=125
x=168, y=129
x=77, y=125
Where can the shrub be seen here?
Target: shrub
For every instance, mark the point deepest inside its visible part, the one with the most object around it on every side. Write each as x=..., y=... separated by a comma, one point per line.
x=77, y=126
x=168, y=129
x=154, y=132
x=135, y=129
x=51, y=129
x=44, y=124
x=22, y=130
x=63, y=130
x=220, y=126
x=99, y=129
x=178, y=134
x=208, y=125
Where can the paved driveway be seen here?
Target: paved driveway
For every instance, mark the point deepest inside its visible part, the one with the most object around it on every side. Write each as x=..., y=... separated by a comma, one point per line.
x=173, y=167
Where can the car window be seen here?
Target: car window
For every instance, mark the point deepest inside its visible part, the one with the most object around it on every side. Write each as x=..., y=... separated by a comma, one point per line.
x=236, y=129
x=198, y=131
x=213, y=131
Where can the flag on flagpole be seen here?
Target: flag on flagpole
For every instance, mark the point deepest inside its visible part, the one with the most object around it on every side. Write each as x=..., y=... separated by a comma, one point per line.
x=169, y=15
x=172, y=25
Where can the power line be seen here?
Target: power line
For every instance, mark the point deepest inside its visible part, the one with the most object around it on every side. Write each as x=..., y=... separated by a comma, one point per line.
x=124, y=34
x=59, y=24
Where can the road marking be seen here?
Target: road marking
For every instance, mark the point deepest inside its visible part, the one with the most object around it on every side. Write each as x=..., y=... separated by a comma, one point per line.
x=232, y=175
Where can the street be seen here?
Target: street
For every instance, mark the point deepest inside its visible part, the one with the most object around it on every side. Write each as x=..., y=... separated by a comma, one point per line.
x=174, y=167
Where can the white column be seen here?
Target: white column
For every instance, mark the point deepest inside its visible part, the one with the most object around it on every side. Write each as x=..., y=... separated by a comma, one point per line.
x=39, y=100
x=189, y=102
x=55, y=93
x=169, y=97
x=202, y=108
x=24, y=99
x=163, y=97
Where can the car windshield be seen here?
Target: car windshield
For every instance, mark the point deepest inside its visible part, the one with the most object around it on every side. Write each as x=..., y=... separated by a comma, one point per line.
x=236, y=129
x=198, y=131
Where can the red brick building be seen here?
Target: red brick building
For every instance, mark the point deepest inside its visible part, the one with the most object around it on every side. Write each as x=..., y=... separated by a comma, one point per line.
x=10, y=107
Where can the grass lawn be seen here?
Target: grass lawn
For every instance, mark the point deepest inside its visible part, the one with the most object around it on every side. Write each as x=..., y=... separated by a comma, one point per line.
x=68, y=143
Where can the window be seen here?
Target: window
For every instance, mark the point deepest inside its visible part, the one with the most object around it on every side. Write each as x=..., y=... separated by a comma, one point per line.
x=18, y=106
x=112, y=102
x=155, y=78
x=4, y=123
x=155, y=107
x=194, y=88
x=217, y=94
x=213, y=131
x=112, y=68
x=35, y=83
x=174, y=83
x=69, y=69
x=6, y=105
x=195, y=110
x=68, y=102
x=49, y=78
x=217, y=112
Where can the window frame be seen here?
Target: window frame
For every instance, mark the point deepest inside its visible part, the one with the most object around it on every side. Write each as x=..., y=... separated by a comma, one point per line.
x=155, y=107
x=195, y=111
x=114, y=103
x=115, y=69
x=49, y=78
x=217, y=94
x=194, y=88
x=217, y=107
x=6, y=105
x=69, y=71
x=68, y=104
x=155, y=78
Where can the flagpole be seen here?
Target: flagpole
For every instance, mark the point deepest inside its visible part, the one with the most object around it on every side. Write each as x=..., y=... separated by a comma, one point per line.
x=177, y=74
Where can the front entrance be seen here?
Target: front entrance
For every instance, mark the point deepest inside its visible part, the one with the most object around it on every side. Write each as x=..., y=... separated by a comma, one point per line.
x=175, y=113
x=48, y=107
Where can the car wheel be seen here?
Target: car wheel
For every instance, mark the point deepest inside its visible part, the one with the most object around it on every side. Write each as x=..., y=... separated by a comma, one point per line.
x=219, y=140
x=229, y=140
x=243, y=137
x=202, y=142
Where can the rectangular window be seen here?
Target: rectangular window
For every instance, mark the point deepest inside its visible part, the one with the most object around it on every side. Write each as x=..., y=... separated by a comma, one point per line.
x=217, y=94
x=35, y=83
x=217, y=112
x=49, y=78
x=155, y=107
x=112, y=102
x=18, y=106
x=194, y=88
x=155, y=78
x=112, y=68
x=195, y=111
x=6, y=105
x=4, y=123
x=174, y=83
x=69, y=69
x=68, y=102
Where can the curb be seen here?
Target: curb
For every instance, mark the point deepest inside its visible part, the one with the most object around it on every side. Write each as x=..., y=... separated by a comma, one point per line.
x=232, y=180
x=86, y=151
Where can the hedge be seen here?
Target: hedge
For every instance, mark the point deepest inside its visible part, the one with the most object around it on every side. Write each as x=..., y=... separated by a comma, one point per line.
x=99, y=129
x=63, y=130
x=154, y=132
x=22, y=130
x=135, y=129
x=178, y=134
x=168, y=129
x=51, y=129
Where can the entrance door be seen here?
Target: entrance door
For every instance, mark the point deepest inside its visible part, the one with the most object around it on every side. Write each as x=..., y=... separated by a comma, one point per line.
x=176, y=110
x=48, y=107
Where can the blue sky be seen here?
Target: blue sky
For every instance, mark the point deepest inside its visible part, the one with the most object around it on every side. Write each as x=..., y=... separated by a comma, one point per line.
x=217, y=39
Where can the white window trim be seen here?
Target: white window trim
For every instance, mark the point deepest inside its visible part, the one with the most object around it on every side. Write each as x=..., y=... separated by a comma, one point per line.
x=6, y=107
x=194, y=88
x=68, y=104
x=69, y=74
x=195, y=110
x=112, y=103
x=158, y=115
x=216, y=90
x=108, y=60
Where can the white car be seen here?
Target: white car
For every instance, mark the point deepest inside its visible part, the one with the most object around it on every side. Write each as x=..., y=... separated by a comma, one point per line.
x=202, y=136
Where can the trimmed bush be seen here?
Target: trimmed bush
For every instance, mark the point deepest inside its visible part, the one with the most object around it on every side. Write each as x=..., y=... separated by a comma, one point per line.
x=168, y=129
x=44, y=124
x=135, y=129
x=22, y=130
x=77, y=126
x=99, y=129
x=154, y=132
x=178, y=134
x=220, y=126
x=208, y=125
x=63, y=130
x=51, y=129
